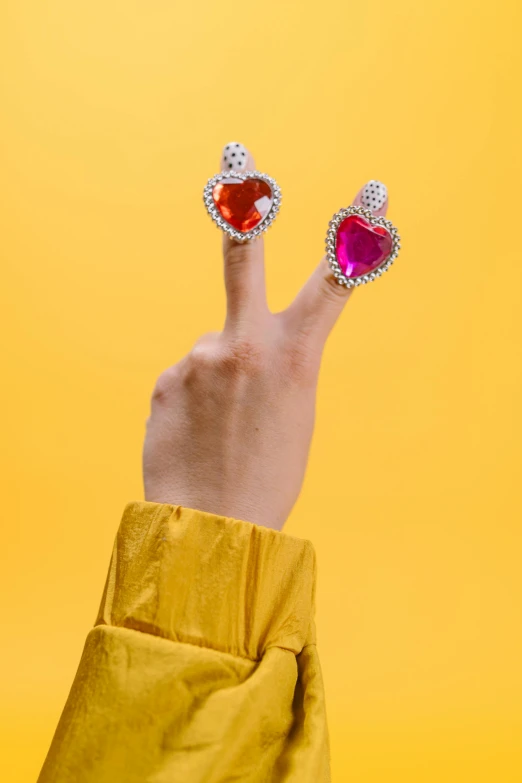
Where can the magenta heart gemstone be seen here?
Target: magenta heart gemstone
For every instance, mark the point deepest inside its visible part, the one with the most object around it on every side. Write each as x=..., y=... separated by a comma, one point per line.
x=361, y=247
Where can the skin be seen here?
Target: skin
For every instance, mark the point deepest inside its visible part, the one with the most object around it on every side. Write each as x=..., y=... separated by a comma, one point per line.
x=231, y=423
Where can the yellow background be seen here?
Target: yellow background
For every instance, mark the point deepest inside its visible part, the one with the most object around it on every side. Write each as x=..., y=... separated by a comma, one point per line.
x=113, y=117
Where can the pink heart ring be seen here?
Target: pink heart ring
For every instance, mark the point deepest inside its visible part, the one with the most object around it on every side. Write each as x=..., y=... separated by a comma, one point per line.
x=360, y=246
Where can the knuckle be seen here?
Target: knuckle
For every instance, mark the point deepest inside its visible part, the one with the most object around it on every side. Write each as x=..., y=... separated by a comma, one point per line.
x=332, y=290
x=165, y=385
x=236, y=253
x=202, y=361
x=210, y=359
x=203, y=355
x=242, y=356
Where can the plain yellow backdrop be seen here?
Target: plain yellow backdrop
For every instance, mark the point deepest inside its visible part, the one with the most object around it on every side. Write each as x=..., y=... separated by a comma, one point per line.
x=113, y=115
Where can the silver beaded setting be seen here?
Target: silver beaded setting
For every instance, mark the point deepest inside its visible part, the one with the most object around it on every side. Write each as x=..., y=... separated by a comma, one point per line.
x=242, y=236
x=331, y=246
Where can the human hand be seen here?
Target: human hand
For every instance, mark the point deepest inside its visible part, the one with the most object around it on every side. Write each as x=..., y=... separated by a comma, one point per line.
x=231, y=423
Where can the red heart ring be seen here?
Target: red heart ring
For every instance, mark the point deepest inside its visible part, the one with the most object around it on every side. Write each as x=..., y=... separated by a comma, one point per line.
x=243, y=204
x=360, y=246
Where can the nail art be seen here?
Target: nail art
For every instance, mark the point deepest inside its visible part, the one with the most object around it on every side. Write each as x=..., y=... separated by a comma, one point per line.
x=234, y=156
x=374, y=194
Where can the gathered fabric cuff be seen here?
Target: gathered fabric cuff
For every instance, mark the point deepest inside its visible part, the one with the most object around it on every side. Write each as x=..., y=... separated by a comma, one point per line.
x=212, y=581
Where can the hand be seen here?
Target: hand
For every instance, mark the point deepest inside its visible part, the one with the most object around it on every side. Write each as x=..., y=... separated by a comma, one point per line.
x=231, y=423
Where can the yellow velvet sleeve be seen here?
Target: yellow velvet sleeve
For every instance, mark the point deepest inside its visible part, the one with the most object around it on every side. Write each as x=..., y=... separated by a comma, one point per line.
x=202, y=665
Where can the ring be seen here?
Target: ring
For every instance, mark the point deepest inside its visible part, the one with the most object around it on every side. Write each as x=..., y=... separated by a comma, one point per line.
x=360, y=246
x=243, y=204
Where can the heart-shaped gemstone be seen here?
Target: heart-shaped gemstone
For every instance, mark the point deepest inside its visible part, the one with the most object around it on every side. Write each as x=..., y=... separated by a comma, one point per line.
x=361, y=246
x=243, y=203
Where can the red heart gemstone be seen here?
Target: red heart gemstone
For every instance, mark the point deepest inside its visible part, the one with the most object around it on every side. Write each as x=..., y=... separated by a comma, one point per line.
x=243, y=203
x=361, y=246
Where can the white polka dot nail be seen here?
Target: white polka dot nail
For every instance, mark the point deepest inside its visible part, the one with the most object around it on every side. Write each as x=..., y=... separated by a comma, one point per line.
x=234, y=156
x=374, y=195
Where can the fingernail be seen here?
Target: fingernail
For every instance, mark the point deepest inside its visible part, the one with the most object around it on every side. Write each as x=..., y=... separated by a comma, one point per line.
x=234, y=156
x=374, y=195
